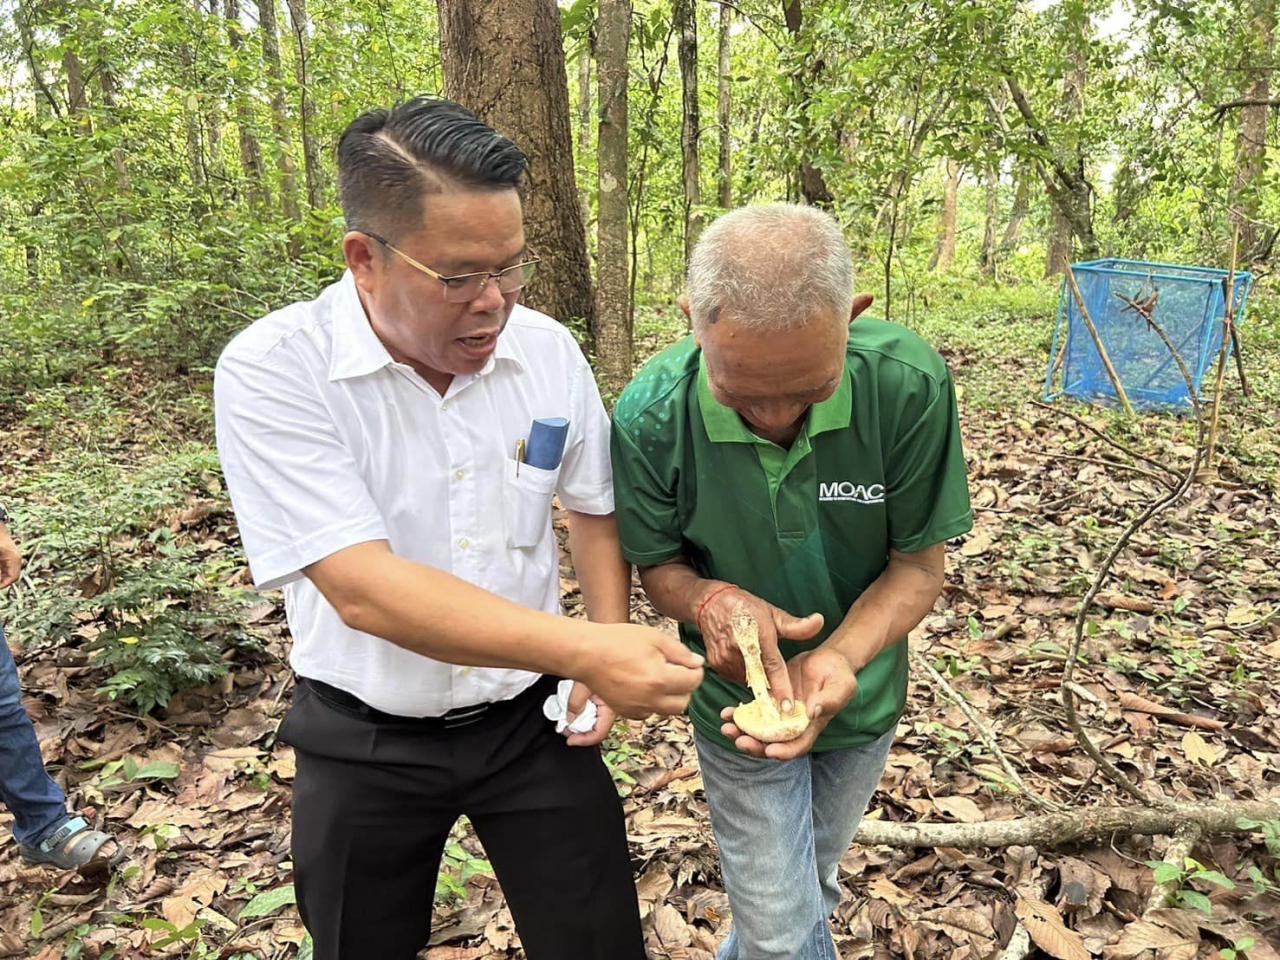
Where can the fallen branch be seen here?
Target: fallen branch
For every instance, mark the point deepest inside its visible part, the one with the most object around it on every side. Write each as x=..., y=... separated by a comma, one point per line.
x=984, y=734
x=1057, y=829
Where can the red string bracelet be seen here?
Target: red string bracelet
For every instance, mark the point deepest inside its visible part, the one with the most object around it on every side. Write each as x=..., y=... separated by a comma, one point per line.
x=697, y=617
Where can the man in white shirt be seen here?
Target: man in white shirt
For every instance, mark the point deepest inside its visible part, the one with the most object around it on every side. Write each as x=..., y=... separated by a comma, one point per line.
x=372, y=440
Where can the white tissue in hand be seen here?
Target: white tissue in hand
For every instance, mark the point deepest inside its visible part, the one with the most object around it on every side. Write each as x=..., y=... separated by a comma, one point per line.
x=556, y=708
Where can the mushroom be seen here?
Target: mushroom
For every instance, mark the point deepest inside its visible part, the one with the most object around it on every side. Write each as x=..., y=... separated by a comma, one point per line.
x=761, y=718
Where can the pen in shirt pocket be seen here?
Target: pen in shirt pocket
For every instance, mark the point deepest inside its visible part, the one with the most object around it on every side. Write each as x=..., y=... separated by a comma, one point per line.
x=520, y=448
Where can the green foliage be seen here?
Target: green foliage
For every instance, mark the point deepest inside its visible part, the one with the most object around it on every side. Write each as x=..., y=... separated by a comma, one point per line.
x=457, y=868
x=154, y=608
x=1190, y=872
x=269, y=902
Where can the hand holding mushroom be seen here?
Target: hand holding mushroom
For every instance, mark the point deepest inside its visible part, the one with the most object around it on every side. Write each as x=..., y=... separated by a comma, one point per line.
x=763, y=718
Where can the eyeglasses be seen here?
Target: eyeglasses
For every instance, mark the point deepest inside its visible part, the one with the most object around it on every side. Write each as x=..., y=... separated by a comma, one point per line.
x=465, y=287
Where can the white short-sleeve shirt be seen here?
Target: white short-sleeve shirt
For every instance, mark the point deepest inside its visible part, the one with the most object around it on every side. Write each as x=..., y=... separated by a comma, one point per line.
x=326, y=442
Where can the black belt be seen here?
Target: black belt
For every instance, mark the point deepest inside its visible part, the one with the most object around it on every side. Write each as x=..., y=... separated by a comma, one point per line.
x=457, y=717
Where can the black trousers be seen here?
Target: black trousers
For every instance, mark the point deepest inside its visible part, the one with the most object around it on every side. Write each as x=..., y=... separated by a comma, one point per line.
x=375, y=798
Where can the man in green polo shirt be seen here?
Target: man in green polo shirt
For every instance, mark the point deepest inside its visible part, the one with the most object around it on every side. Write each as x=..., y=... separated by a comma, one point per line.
x=787, y=460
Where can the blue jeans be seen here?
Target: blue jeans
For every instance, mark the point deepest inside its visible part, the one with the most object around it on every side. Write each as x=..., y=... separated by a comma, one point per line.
x=37, y=803
x=782, y=829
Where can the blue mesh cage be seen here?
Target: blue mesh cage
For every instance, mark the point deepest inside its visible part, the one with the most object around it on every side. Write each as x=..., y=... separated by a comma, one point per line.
x=1191, y=306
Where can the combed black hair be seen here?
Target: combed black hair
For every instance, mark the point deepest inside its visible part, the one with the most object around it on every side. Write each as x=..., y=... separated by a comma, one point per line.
x=388, y=160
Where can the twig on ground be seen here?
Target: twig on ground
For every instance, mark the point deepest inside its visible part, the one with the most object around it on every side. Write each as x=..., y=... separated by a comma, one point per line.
x=1163, y=480
x=1106, y=439
x=984, y=734
x=1184, y=839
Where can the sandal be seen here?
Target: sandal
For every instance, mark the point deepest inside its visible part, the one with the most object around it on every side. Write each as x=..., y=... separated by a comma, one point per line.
x=75, y=846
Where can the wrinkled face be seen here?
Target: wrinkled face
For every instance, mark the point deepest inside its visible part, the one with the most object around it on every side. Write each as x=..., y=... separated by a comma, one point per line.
x=464, y=231
x=771, y=378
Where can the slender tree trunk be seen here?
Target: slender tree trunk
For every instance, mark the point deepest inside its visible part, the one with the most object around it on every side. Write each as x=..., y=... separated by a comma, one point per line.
x=686, y=14
x=1251, y=140
x=77, y=99
x=613, y=301
x=724, y=111
x=584, y=123
x=987, y=259
x=505, y=60
x=804, y=74
x=110, y=99
x=1017, y=216
x=191, y=119
x=269, y=30
x=944, y=252
x=40, y=94
x=210, y=104
x=313, y=166
x=1072, y=216
x=250, y=151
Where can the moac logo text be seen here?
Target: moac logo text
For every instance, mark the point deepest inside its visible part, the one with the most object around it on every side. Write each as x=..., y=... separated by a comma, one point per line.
x=852, y=492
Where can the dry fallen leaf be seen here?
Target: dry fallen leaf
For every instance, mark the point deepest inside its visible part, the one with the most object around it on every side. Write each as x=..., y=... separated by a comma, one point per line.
x=1050, y=934
x=962, y=808
x=1198, y=750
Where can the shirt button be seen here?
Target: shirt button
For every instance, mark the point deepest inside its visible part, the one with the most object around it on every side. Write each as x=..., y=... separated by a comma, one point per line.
x=459, y=474
x=463, y=543
x=445, y=406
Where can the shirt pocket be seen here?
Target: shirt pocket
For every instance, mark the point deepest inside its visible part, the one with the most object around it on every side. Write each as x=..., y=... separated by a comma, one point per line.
x=528, y=503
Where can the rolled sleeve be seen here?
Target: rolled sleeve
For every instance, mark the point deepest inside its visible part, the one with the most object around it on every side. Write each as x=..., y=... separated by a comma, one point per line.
x=296, y=489
x=585, y=484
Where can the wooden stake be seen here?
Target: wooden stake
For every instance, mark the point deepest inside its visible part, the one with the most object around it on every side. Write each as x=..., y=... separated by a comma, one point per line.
x=1228, y=335
x=1097, y=338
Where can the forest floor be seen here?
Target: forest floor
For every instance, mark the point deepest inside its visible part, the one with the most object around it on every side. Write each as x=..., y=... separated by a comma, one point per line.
x=1182, y=656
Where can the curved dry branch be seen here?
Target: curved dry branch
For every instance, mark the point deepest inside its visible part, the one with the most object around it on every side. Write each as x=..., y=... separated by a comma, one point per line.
x=1146, y=310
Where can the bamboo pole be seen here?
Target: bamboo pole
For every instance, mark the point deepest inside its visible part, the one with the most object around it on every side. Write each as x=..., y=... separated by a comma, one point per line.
x=1097, y=338
x=1228, y=337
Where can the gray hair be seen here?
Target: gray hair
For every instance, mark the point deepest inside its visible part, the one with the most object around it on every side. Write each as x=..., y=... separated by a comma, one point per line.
x=774, y=265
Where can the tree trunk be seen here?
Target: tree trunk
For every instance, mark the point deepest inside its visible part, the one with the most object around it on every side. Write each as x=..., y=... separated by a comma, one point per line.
x=1058, y=246
x=250, y=152
x=612, y=332
x=584, y=124
x=724, y=111
x=686, y=14
x=1017, y=216
x=313, y=165
x=43, y=105
x=191, y=118
x=987, y=259
x=1251, y=141
x=804, y=73
x=77, y=100
x=505, y=61
x=944, y=252
x=270, y=33
x=1072, y=214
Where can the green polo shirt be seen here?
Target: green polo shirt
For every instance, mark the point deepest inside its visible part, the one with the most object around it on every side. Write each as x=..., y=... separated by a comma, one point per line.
x=878, y=465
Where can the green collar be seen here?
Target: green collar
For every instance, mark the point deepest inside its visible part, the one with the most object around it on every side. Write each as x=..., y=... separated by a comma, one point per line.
x=723, y=425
